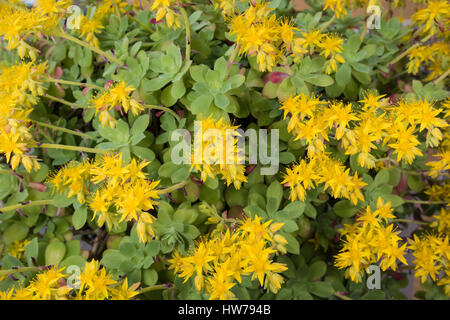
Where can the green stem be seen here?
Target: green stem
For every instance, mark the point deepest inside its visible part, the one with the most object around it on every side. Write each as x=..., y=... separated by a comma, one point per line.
x=74, y=83
x=442, y=77
x=23, y=269
x=424, y=202
x=231, y=60
x=328, y=23
x=62, y=34
x=5, y=171
x=153, y=288
x=341, y=296
x=363, y=34
x=172, y=188
x=400, y=56
x=50, y=126
x=29, y=204
x=383, y=159
x=410, y=221
x=415, y=173
x=188, y=32
x=163, y=109
x=73, y=148
x=156, y=108
x=65, y=102
x=48, y=137
x=146, y=28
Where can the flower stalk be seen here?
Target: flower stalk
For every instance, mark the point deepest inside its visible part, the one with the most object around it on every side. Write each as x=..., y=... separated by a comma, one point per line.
x=154, y=288
x=188, y=32
x=53, y=127
x=25, y=205
x=411, y=221
x=163, y=109
x=62, y=101
x=424, y=202
x=327, y=24
x=400, y=56
x=172, y=188
x=73, y=148
x=110, y=57
x=23, y=269
x=72, y=83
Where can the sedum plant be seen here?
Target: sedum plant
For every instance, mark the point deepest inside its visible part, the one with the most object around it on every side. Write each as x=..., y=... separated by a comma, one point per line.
x=118, y=120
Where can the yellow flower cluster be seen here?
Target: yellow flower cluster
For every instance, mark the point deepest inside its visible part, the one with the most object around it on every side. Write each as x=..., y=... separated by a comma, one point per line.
x=17, y=248
x=443, y=221
x=90, y=26
x=433, y=20
x=439, y=192
x=16, y=24
x=226, y=7
x=116, y=97
x=439, y=166
x=434, y=57
x=431, y=257
x=435, y=13
x=360, y=131
x=163, y=11
x=331, y=47
x=321, y=169
x=370, y=240
x=218, y=262
x=210, y=155
x=260, y=32
x=421, y=113
x=19, y=88
x=94, y=284
x=337, y=6
x=123, y=192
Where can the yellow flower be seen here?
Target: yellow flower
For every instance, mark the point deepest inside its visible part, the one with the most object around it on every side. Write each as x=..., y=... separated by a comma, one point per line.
x=213, y=155
x=98, y=288
x=368, y=241
x=311, y=39
x=95, y=284
x=300, y=178
x=341, y=115
x=225, y=6
x=125, y=292
x=258, y=32
x=259, y=263
x=220, y=283
x=287, y=32
x=136, y=197
x=71, y=179
x=18, y=24
x=384, y=209
x=372, y=101
x=45, y=286
x=331, y=47
x=440, y=165
x=436, y=11
x=90, y=27
x=428, y=255
x=164, y=11
x=443, y=219
x=116, y=96
x=227, y=256
x=406, y=143
x=337, y=6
